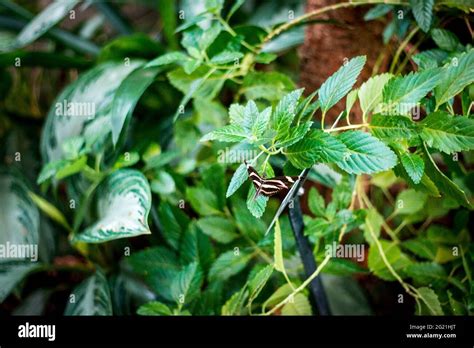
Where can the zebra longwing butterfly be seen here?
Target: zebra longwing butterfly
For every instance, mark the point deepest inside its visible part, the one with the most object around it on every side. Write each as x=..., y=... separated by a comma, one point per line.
x=269, y=187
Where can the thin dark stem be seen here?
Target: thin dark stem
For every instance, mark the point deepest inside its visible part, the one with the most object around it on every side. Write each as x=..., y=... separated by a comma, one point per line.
x=318, y=297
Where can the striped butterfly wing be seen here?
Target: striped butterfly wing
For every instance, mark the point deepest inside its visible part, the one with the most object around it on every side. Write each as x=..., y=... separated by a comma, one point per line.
x=269, y=187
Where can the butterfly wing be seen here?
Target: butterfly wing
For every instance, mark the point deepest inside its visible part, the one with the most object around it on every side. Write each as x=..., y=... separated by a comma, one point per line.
x=254, y=177
x=274, y=185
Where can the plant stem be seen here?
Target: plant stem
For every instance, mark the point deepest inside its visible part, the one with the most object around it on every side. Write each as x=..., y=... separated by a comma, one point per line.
x=278, y=30
x=354, y=126
x=401, y=48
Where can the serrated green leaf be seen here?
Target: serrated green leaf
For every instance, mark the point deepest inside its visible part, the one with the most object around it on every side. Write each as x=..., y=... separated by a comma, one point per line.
x=226, y=57
x=123, y=205
x=423, y=13
x=447, y=133
x=401, y=94
x=427, y=273
x=186, y=284
x=196, y=247
x=231, y=133
x=285, y=111
x=366, y=154
x=430, y=58
x=428, y=303
x=258, y=281
x=257, y=204
x=372, y=225
x=394, y=256
x=278, y=249
x=316, y=202
x=455, y=77
x=422, y=247
x=340, y=83
x=154, y=308
x=392, y=128
x=377, y=11
x=410, y=201
x=203, y=201
x=218, y=228
x=316, y=146
x=445, y=39
x=299, y=305
x=414, y=165
x=228, y=264
x=370, y=93
x=91, y=297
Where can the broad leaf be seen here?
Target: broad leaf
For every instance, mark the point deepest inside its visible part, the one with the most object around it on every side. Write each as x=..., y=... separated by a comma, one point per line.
x=392, y=128
x=44, y=21
x=239, y=177
x=219, y=228
x=447, y=133
x=413, y=165
x=423, y=13
x=154, y=308
x=187, y=283
x=228, y=264
x=127, y=96
x=445, y=39
x=370, y=93
x=19, y=216
x=401, y=94
x=455, y=77
x=340, y=83
x=428, y=302
x=394, y=256
x=11, y=275
x=123, y=204
x=299, y=305
x=366, y=154
x=91, y=297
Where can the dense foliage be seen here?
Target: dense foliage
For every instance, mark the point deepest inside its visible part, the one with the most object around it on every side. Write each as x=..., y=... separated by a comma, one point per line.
x=139, y=200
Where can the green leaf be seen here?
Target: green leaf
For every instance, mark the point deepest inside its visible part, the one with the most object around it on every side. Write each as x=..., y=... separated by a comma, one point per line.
x=428, y=303
x=228, y=264
x=343, y=267
x=372, y=226
x=430, y=58
x=340, y=83
x=443, y=183
x=163, y=183
x=257, y=204
x=127, y=96
x=427, y=273
x=259, y=280
x=186, y=285
x=414, y=166
x=366, y=154
x=370, y=93
x=49, y=209
x=231, y=133
x=91, y=297
x=174, y=222
x=159, y=266
x=154, y=308
x=266, y=85
x=203, y=201
x=422, y=247
x=71, y=168
x=226, y=57
x=285, y=111
x=19, y=216
x=235, y=303
x=447, y=133
x=11, y=275
x=123, y=205
x=219, y=228
x=423, y=13
x=91, y=97
x=392, y=128
x=395, y=257
x=377, y=11
x=410, y=201
x=445, y=39
x=455, y=77
x=401, y=94
x=298, y=306
x=239, y=177
x=278, y=249
x=316, y=146
x=168, y=58
x=196, y=247
x=316, y=202
x=44, y=21
x=247, y=224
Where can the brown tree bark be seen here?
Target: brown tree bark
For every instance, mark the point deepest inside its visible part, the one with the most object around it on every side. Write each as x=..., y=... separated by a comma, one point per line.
x=327, y=45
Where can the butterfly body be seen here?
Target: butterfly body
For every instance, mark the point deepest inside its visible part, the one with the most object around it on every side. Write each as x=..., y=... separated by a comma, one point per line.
x=269, y=187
